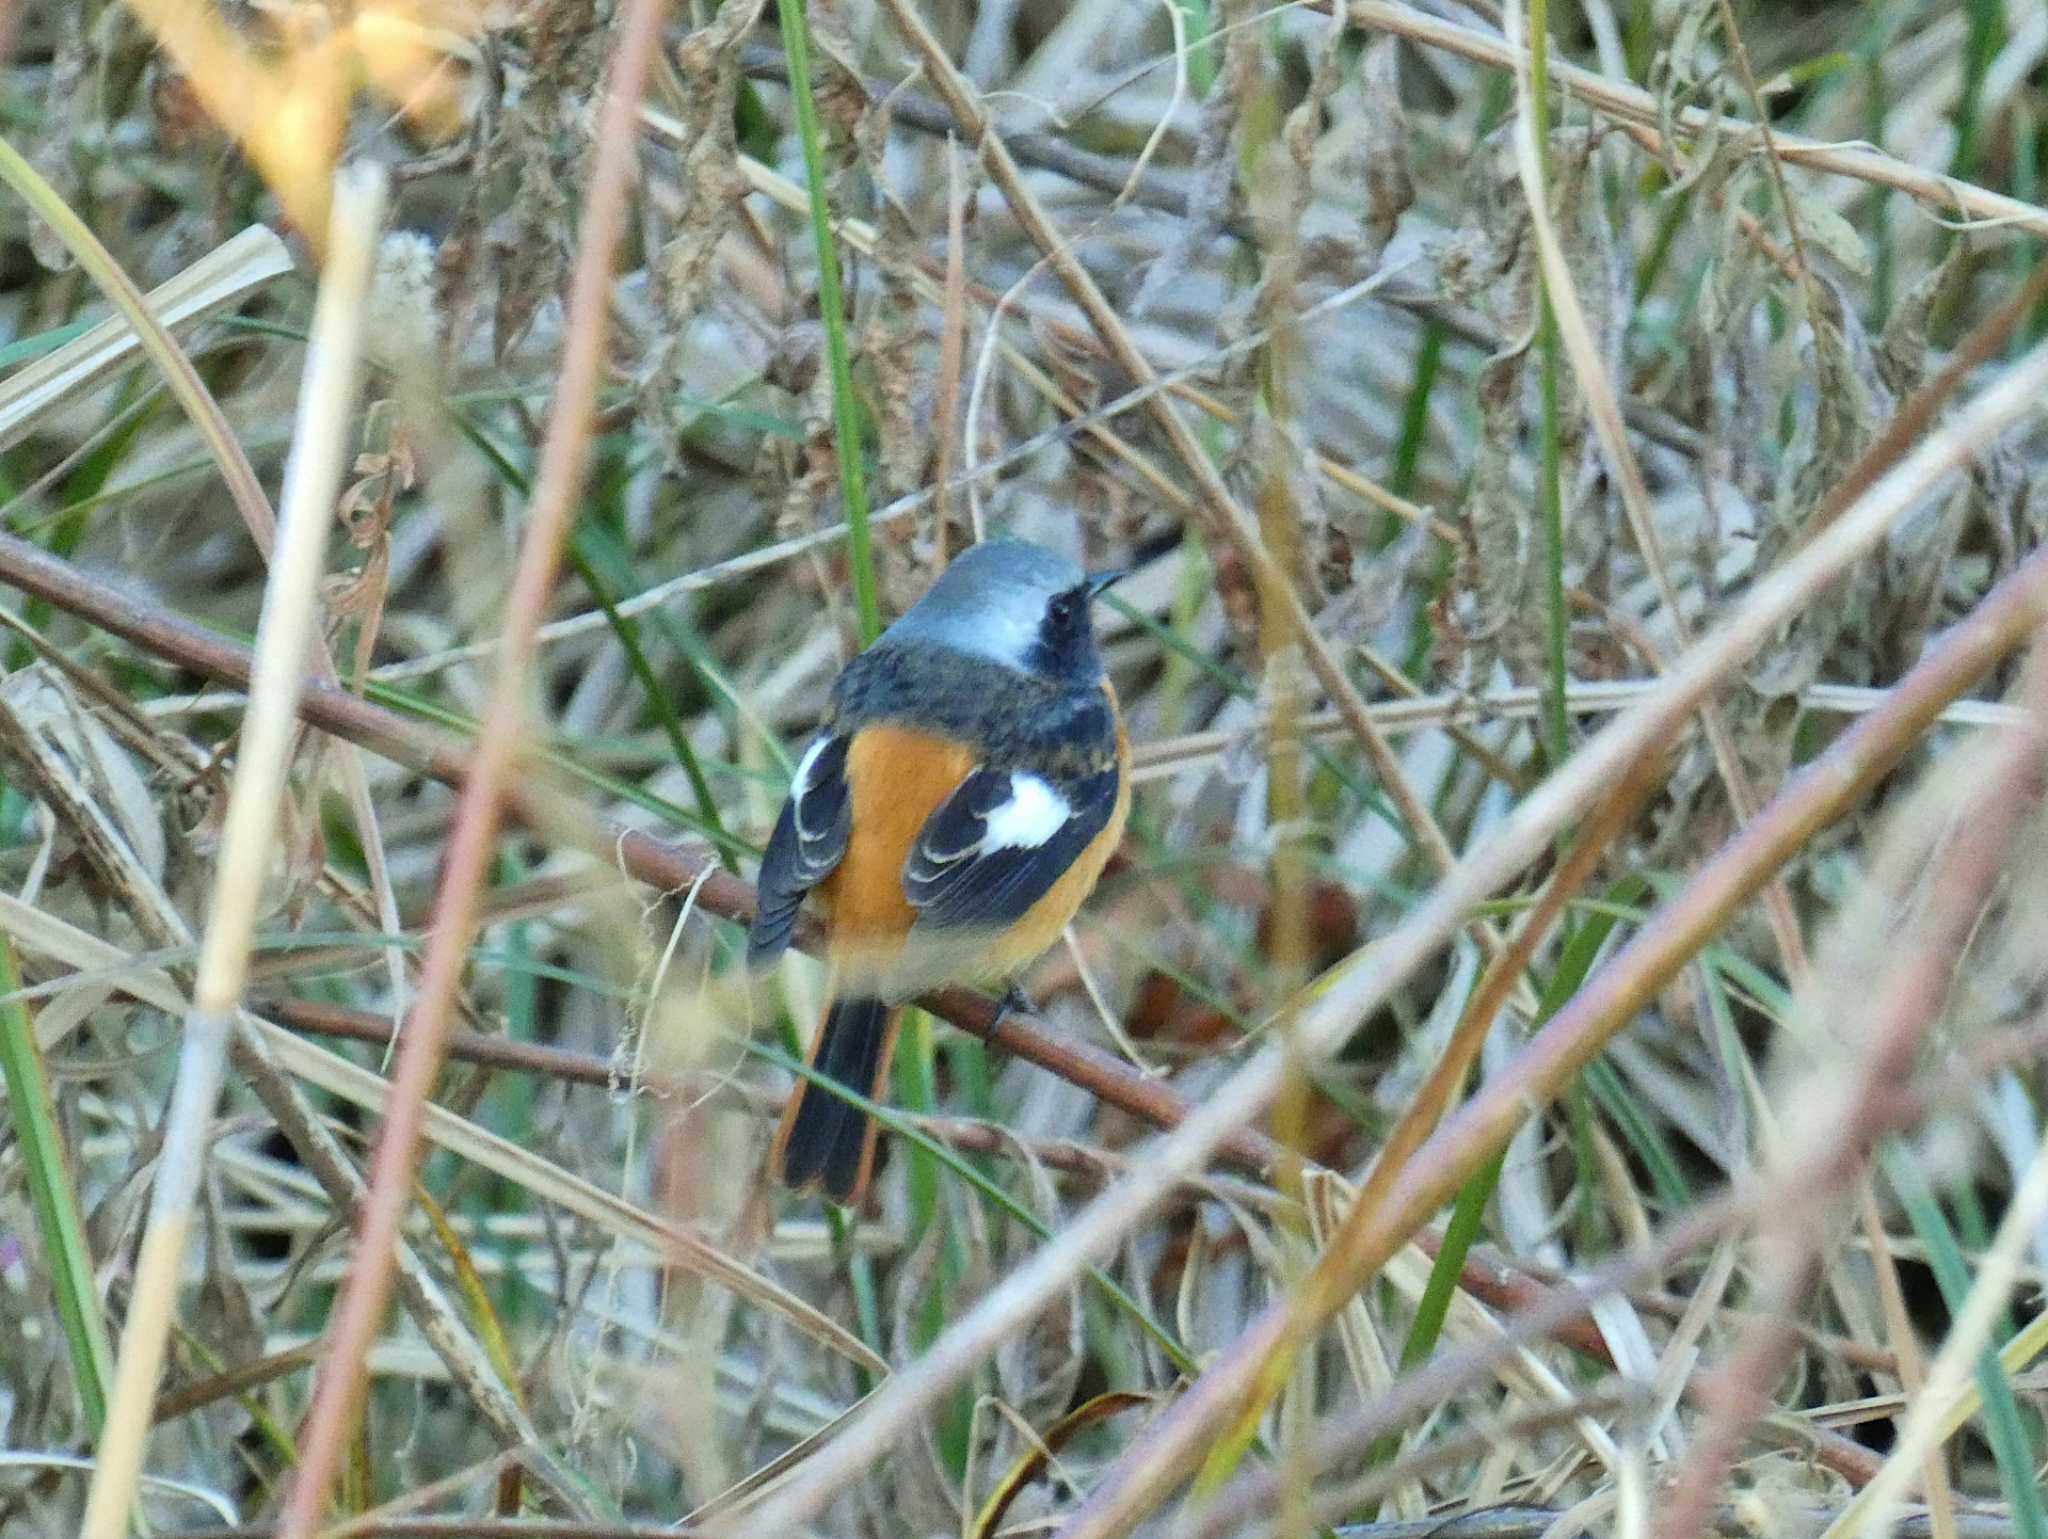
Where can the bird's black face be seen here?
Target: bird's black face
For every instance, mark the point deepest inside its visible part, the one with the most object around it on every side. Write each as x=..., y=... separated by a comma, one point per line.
x=1066, y=636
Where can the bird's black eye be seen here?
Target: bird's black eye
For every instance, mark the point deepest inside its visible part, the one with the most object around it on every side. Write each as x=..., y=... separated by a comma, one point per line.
x=1063, y=609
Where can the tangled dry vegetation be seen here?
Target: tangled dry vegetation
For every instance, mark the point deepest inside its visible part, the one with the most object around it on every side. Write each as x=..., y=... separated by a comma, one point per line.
x=1581, y=919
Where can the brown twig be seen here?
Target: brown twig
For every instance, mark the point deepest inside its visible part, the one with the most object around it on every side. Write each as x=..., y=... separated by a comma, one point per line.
x=109, y=605
x=360, y=1308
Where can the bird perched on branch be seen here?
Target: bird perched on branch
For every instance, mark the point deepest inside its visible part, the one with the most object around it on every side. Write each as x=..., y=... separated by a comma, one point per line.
x=964, y=791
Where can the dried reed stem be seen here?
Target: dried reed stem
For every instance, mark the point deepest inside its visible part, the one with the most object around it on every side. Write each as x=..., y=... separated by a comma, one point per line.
x=291, y=607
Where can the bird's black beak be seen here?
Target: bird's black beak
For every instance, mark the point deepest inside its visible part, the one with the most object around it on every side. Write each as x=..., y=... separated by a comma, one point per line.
x=1093, y=584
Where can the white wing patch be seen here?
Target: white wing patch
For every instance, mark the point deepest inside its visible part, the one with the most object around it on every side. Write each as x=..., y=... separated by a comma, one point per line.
x=802, y=780
x=1032, y=815
x=802, y=786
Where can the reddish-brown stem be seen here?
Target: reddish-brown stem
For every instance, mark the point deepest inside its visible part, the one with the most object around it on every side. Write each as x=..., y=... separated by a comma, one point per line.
x=1906, y=1003
x=564, y=452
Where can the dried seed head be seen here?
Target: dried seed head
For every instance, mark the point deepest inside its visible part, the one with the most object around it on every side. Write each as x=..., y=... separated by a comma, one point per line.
x=402, y=324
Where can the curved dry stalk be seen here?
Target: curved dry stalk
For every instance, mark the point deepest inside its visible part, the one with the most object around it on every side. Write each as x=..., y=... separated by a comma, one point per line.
x=1603, y=406
x=1156, y=1461
x=1119, y=177
x=291, y=607
x=563, y=455
x=226, y=275
x=180, y=377
x=1945, y=195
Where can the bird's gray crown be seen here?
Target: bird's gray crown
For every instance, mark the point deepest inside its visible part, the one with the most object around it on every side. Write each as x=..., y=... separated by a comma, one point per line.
x=990, y=602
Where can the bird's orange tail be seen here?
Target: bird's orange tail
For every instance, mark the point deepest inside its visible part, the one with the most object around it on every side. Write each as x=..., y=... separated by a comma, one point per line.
x=824, y=1141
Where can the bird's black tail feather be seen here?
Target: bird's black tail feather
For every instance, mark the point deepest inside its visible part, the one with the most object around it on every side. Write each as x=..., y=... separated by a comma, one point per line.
x=825, y=1141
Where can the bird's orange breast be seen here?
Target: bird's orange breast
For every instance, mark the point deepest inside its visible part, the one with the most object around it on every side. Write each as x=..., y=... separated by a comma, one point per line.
x=895, y=780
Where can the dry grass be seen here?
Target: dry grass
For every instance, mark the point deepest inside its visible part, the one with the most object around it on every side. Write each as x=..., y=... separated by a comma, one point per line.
x=1579, y=935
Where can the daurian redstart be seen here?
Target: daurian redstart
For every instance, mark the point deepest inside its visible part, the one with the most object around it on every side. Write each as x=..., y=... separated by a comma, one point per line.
x=964, y=791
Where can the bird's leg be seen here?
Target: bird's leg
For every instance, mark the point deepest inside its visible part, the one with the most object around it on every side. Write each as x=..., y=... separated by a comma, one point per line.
x=1014, y=1001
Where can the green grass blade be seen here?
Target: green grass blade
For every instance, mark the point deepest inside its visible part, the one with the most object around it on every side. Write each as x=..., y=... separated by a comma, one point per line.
x=1986, y=37
x=1642, y=1133
x=54, y=1198
x=1550, y=472
x=44, y=342
x=846, y=413
x=1467, y=1213
x=2011, y=1448
x=1414, y=432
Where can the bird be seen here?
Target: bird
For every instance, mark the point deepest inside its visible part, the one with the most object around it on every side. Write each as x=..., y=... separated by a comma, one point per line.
x=967, y=784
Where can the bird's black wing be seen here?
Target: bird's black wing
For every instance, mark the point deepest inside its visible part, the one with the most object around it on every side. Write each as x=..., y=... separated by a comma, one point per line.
x=809, y=840
x=999, y=843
